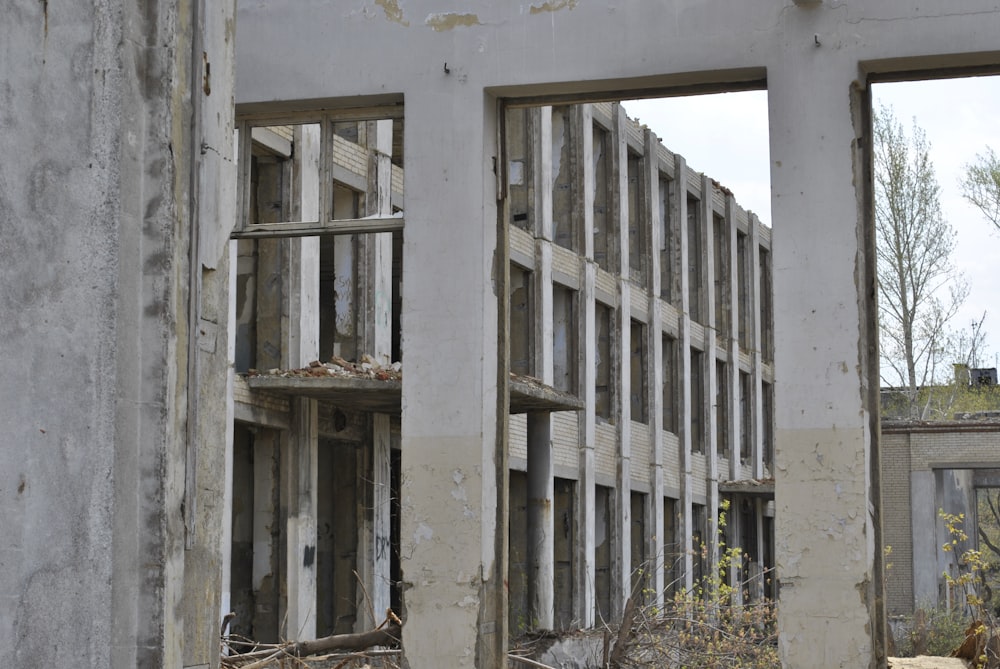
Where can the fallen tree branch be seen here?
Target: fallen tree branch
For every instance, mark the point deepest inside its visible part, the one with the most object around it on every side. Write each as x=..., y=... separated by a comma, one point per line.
x=529, y=662
x=388, y=633
x=385, y=636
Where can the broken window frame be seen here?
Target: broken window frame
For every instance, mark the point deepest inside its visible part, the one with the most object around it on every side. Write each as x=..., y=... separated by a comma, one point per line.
x=325, y=223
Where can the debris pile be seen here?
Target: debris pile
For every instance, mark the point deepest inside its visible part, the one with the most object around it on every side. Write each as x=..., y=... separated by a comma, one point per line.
x=367, y=368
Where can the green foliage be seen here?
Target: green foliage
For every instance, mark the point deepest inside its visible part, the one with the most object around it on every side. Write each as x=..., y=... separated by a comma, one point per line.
x=981, y=185
x=933, y=631
x=712, y=625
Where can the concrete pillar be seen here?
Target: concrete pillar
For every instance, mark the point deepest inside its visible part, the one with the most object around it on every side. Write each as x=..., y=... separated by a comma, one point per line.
x=586, y=571
x=375, y=323
x=541, y=542
x=454, y=478
x=710, y=384
x=298, y=484
x=680, y=209
x=621, y=561
x=265, y=571
x=826, y=537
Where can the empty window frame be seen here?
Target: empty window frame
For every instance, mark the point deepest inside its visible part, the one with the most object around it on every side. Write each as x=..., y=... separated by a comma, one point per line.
x=564, y=548
x=746, y=417
x=564, y=338
x=333, y=172
x=605, y=368
x=743, y=304
x=636, y=220
x=722, y=437
x=637, y=377
x=640, y=570
x=603, y=503
x=519, y=615
x=520, y=125
x=667, y=241
x=720, y=250
x=697, y=421
x=521, y=321
x=695, y=261
x=767, y=420
x=670, y=380
x=766, y=308
x=604, y=219
x=699, y=548
x=672, y=552
x=564, y=153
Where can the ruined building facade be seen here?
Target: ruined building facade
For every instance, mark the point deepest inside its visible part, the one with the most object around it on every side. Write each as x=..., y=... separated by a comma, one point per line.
x=638, y=311
x=117, y=204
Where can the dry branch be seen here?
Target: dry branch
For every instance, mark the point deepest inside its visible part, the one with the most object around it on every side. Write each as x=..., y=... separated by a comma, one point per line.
x=388, y=633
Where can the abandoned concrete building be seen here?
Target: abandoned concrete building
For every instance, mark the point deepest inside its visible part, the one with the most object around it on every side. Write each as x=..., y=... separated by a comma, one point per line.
x=127, y=212
x=929, y=467
x=640, y=360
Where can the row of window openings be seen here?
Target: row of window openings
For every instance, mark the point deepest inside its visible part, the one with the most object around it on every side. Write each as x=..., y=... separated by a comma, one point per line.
x=565, y=362
x=672, y=549
x=605, y=235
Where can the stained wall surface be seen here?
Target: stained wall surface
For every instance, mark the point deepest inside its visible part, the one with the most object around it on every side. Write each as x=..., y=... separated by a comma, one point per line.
x=108, y=557
x=449, y=61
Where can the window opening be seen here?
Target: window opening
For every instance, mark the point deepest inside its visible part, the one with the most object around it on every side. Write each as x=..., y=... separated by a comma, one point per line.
x=637, y=381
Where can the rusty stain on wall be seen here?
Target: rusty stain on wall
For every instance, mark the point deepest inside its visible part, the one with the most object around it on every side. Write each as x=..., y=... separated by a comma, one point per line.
x=450, y=21
x=553, y=6
x=392, y=11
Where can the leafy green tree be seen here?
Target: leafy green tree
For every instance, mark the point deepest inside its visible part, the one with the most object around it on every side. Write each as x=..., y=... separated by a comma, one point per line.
x=920, y=291
x=981, y=185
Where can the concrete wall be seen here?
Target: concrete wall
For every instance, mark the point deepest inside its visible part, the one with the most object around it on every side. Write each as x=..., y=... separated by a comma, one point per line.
x=109, y=557
x=927, y=467
x=447, y=60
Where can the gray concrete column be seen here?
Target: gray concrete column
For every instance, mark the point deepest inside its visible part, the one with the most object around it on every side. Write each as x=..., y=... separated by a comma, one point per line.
x=680, y=212
x=541, y=542
x=454, y=496
x=586, y=570
x=299, y=480
x=826, y=537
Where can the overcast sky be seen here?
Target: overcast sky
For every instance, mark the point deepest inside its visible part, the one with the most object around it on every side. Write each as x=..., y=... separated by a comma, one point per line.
x=725, y=136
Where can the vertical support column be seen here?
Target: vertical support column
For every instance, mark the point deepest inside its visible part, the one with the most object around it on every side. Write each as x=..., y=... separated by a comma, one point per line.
x=303, y=294
x=374, y=554
x=622, y=560
x=654, y=344
x=586, y=583
x=586, y=427
x=684, y=356
x=711, y=381
x=733, y=342
x=299, y=466
x=756, y=352
x=541, y=544
x=455, y=401
x=826, y=460
x=542, y=139
x=541, y=539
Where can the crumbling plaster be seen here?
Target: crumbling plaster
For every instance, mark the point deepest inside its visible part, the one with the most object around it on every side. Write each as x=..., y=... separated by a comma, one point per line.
x=96, y=218
x=810, y=55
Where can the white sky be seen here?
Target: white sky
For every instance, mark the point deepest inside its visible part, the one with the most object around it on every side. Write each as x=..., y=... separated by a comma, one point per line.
x=725, y=136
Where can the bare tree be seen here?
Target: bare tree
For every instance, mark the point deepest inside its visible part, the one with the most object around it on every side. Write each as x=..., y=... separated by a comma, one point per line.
x=919, y=289
x=981, y=185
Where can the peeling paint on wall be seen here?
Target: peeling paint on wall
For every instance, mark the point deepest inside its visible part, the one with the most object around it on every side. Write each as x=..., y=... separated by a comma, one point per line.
x=450, y=21
x=553, y=6
x=393, y=12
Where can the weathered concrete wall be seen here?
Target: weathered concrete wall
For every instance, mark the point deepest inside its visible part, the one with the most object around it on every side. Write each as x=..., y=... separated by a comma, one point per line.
x=927, y=467
x=447, y=60
x=101, y=118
